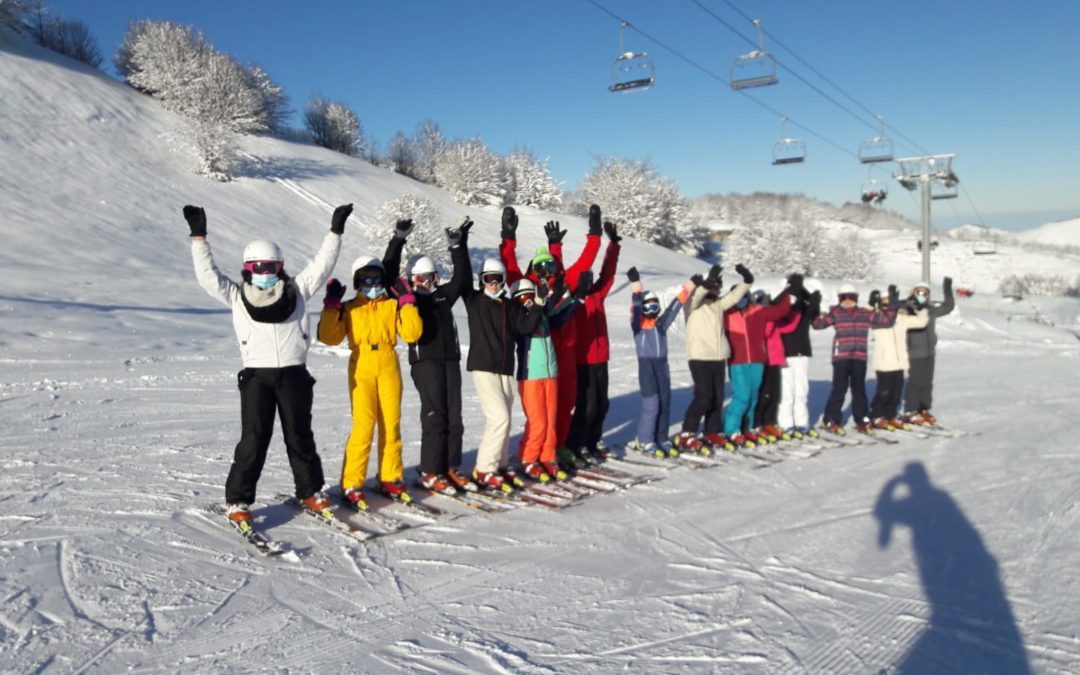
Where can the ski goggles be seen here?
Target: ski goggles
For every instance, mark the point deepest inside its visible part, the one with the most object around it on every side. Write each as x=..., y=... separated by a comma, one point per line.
x=853, y=297
x=651, y=308
x=545, y=269
x=264, y=266
x=424, y=279
x=492, y=279
x=369, y=281
x=922, y=291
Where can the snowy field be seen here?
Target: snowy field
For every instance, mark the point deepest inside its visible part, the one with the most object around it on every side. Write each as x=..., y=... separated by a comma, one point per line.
x=119, y=412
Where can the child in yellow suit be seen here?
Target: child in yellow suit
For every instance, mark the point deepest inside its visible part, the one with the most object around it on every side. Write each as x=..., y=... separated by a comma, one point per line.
x=373, y=322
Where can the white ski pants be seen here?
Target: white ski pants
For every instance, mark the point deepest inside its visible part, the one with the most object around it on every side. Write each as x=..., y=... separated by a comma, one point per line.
x=497, y=401
x=794, y=390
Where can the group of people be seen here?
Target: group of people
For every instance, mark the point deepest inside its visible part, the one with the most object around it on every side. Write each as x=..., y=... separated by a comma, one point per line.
x=540, y=331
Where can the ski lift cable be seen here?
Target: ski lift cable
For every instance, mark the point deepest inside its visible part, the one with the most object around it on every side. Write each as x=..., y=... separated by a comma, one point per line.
x=718, y=78
x=796, y=75
x=812, y=69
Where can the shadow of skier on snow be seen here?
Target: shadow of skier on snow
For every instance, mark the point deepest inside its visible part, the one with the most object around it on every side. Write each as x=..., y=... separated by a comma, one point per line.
x=972, y=628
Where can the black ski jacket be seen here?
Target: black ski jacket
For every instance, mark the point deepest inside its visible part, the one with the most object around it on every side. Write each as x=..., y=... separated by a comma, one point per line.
x=797, y=342
x=921, y=343
x=494, y=325
x=439, y=341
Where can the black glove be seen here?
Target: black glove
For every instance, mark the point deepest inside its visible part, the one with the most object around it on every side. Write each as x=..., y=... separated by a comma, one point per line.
x=633, y=275
x=611, y=232
x=457, y=236
x=594, y=220
x=946, y=285
x=196, y=220
x=795, y=282
x=875, y=298
x=894, y=296
x=584, y=283
x=698, y=280
x=554, y=234
x=746, y=276
x=558, y=288
x=403, y=227
x=542, y=291
x=509, y=223
x=341, y=214
x=715, y=280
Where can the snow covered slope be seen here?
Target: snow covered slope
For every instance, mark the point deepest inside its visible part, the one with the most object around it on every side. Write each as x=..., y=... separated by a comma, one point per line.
x=119, y=414
x=1059, y=233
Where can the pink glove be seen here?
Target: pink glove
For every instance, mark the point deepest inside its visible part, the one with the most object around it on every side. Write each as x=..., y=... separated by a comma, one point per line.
x=335, y=291
x=404, y=292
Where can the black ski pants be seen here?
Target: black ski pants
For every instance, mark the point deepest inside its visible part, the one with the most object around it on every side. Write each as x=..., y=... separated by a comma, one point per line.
x=708, y=402
x=441, y=429
x=590, y=408
x=920, y=387
x=289, y=392
x=887, y=395
x=847, y=373
x=767, y=410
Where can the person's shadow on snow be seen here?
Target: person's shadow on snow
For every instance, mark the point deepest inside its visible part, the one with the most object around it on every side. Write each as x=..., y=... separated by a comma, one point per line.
x=972, y=629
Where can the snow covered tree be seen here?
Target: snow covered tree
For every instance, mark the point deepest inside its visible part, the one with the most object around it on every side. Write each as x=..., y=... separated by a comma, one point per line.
x=472, y=174
x=399, y=156
x=645, y=206
x=531, y=182
x=163, y=59
x=13, y=13
x=427, y=144
x=778, y=247
x=428, y=236
x=69, y=37
x=274, y=109
x=333, y=125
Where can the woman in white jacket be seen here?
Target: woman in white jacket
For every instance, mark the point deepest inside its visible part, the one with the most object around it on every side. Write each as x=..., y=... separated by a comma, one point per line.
x=891, y=360
x=270, y=317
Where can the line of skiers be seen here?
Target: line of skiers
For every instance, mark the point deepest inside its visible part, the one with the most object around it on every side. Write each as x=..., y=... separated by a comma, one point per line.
x=540, y=331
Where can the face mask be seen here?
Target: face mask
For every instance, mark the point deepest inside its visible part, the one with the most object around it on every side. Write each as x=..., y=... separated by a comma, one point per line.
x=374, y=293
x=496, y=295
x=264, y=281
x=921, y=299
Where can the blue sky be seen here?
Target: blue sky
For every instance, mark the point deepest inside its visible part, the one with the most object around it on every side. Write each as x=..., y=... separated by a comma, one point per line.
x=994, y=81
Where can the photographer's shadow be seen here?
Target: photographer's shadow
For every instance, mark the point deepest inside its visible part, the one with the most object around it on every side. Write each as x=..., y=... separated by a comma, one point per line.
x=972, y=628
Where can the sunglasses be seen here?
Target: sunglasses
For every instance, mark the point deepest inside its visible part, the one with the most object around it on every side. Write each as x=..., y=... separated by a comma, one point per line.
x=854, y=297
x=264, y=266
x=492, y=279
x=369, y=281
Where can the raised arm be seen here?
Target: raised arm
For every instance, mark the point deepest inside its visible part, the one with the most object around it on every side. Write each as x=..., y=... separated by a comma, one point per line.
x=672, y=311
x=949, y=303
x=508, y=245
x=461, y=281
x=312, y=278
x=217, y=285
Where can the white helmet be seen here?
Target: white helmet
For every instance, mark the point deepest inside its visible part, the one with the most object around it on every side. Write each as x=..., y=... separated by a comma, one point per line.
x=492, y=266
x=846, y=289
x=522, y=286
x=423, y=265
x=365, y=261
x=261, y=249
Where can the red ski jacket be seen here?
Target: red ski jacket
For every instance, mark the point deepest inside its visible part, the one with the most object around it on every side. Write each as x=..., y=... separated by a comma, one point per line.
x=746, y=330
x=592, y=335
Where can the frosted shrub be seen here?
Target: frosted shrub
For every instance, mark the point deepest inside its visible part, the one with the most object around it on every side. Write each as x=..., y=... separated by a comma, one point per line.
x=333, y=125
x=472, y=174
x=427, y=237
x=69, y=37
x=780, y=247
x=531, y=182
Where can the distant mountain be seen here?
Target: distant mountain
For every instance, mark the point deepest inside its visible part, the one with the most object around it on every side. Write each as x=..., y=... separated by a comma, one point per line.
x=1058, y=233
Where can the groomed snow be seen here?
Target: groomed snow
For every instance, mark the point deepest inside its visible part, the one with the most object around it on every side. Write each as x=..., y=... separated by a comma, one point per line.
x=119, y=413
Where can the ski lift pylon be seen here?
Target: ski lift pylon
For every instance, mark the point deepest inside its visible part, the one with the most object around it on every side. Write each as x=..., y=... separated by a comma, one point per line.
x=755, y=69
x=630, y=71
x=877, y=149
x=788, y=150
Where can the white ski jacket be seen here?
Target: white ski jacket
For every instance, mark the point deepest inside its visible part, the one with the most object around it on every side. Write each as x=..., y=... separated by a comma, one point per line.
x=268, y=345
x=890, y=344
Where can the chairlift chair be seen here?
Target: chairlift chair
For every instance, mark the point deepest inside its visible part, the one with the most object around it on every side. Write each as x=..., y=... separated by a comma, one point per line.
x=943, y=189
x=788, y=150
x=630, y=71
x=874, y=192
x=756, y=69
x=877, y=149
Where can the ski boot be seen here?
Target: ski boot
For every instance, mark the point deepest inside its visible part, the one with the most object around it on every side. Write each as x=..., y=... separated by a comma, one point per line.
x=395, y=490
x=491, y=481
x=354, y=498
x=599, y=454
x=536, y=471
x=833, y=427
x=752, y=436
x=669, y=449
x=740, y=441
x=900, y=424
x=718, y=442
x=808, y=432
x=776, y=432
x=688, y=442
x=461, y=481
x=567, y=459
x=512, y=478
x=884, y=424
x=554, y=471
x=795, y=433
x=652, y=450
x=240, y=516
x=865, y=427
x=433, y=482
x=319, y=505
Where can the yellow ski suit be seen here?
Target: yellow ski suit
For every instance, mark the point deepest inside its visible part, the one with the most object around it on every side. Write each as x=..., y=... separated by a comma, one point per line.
x=373, y=328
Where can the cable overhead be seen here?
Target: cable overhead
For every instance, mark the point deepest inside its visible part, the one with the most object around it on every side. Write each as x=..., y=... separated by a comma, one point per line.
x=789, y=50
x=695, y=64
